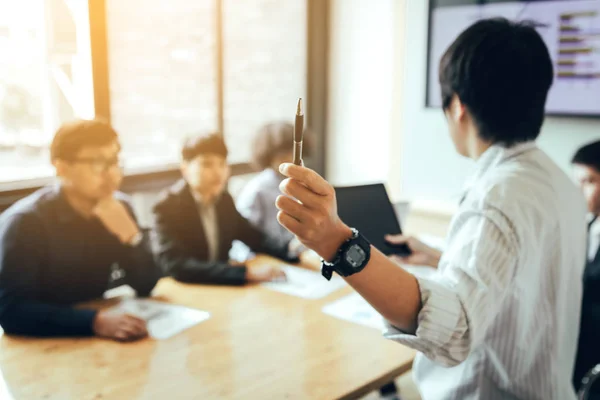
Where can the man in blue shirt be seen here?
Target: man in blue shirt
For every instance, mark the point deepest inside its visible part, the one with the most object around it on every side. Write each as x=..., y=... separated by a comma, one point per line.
x=60, y=245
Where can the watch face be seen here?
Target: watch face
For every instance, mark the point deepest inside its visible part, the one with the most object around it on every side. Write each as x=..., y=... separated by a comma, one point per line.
x=355, y=256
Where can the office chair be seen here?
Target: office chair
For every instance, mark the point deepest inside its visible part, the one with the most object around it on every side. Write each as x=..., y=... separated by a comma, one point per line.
x=588, y=382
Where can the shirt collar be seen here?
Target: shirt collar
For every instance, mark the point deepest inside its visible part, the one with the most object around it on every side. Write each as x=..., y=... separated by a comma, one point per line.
x=200, y=203
x=595, y=226
x=494, y=156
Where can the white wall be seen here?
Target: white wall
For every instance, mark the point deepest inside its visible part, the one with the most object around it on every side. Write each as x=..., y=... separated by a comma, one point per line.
x=379, y=128
x=360, y=91
x=432, y=173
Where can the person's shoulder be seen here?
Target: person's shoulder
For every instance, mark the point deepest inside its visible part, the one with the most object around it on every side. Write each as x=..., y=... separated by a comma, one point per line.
x=30, y=209
x=253, y=189
x=262, y=181
x=528, y=190
x=37, y=202
x=527, y=175
x=170, y=196
x=226, y=199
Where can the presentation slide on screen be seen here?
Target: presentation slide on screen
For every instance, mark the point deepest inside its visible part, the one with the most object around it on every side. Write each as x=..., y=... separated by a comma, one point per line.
x=571, y=30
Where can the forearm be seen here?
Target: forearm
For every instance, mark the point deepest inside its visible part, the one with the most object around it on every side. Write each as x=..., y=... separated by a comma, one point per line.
x=281, y=251
x=39, y=319
x=393, y=292
x=142, y=271
x=192, y=270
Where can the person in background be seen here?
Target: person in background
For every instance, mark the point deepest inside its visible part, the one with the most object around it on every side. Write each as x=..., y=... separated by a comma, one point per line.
x=500, y=318
x=60, y=245
x=272, y=147
x=196, y=222
x=586, y=168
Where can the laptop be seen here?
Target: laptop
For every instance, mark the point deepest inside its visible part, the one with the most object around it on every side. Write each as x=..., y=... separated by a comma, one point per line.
x=368, y=209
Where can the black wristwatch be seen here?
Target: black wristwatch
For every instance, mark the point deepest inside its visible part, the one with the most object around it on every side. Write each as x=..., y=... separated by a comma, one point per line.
x=351, y=258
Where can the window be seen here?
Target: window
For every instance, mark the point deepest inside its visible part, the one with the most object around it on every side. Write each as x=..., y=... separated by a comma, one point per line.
x=162, y=72
x=45, y=79
x=264, y=67
x=171, y=69
x=164, y=79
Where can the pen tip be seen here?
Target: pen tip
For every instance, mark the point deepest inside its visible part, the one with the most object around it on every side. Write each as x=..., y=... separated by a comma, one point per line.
x=299, y=109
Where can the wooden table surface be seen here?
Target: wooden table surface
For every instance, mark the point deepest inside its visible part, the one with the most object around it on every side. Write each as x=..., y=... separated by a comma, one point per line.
x=258, y=344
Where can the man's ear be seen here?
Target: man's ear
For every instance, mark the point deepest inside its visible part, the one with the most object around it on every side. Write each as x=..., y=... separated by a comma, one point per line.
x=60, y=166
x=458, y=109
x=183, y=167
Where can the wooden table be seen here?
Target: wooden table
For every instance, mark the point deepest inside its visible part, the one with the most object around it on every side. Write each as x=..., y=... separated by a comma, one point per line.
x=258, y=344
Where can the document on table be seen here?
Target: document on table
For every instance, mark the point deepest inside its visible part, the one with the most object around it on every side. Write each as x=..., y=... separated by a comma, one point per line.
x=163, y=320
x=305, y=283
x=353, y=308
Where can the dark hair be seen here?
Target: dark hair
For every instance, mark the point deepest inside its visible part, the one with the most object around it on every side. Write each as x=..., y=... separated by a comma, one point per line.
x=73, y=136
x=274, y=138
x=501, y=71
x=588, y=155
x=271, y=139
x=211, y=143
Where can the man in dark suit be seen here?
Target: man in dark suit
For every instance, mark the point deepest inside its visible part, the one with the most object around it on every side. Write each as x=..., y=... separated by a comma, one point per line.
x=586, y=165
x=61, y=245
x=196, y=222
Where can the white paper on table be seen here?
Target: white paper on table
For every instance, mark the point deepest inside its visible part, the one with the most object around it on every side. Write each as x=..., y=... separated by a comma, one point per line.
x=163, y=320
x=123, y=291
x=305, y=283
x=353, y=308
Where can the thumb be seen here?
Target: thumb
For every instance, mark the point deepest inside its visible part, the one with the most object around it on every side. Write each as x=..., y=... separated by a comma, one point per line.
x=397, y=239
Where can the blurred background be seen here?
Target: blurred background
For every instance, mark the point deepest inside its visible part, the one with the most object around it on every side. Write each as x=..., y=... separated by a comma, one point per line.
x=162, y=70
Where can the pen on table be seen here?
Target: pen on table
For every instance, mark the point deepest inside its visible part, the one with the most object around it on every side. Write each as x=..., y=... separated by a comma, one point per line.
x=298, y=133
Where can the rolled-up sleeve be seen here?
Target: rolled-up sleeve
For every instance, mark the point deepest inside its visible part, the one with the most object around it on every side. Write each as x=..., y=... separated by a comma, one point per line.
x=458, y=305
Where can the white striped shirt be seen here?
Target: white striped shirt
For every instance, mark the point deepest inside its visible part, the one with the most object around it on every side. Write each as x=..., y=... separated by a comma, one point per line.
x=500, y=320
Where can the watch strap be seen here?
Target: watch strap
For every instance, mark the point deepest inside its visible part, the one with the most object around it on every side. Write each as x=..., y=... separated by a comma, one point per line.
x=339, y=265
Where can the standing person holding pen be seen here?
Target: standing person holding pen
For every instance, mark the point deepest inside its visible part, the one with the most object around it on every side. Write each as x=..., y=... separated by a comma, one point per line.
x=500, y=319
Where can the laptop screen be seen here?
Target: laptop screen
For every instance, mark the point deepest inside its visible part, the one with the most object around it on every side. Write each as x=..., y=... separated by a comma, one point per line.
x=368, y=209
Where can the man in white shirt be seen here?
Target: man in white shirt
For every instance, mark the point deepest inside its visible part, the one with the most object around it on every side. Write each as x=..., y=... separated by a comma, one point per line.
x=500, y=319
x=586, y=167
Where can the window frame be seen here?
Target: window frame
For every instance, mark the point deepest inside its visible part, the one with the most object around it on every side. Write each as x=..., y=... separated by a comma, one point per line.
x=156, y=178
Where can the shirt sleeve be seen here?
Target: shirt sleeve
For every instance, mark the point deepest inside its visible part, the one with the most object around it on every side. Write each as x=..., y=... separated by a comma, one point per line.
x=459, y=305
x=142, y=270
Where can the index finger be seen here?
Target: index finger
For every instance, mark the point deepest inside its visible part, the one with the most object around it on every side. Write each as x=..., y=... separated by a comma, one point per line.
x=396, y=239
x=279, y=276
x=307, y=177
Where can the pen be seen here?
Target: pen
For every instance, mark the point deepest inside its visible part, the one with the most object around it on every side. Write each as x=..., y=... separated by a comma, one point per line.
x=298, y=133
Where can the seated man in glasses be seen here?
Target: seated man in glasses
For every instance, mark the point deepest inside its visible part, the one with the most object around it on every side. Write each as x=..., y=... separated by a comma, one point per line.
x=60, y=245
